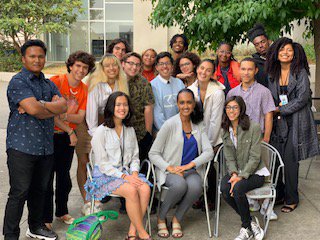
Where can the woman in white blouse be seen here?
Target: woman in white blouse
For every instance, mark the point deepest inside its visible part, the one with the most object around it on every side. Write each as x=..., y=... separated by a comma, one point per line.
x=210, y=97
x=117, y=164
x=107, y=78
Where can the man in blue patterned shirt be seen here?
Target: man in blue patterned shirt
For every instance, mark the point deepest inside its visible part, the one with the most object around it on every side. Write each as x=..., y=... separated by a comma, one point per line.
x=33, y=102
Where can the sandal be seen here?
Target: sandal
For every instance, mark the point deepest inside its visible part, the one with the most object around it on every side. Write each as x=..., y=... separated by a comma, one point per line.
x=131, y=237
x=176, y=230
x=289, y=208
x=67, y=219
x=162, y=230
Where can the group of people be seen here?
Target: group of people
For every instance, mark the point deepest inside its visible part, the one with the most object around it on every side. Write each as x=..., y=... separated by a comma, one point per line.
x=174, y=109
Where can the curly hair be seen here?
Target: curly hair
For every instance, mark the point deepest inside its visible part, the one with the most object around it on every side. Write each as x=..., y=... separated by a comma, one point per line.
x=244, y=121
x=185, y=40
x=194, y=58
x=83, y=57
x=299, y=61
x=109, y=110
x=115, y=42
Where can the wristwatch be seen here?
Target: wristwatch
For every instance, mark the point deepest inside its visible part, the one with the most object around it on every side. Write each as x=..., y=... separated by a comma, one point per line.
x=43, y=103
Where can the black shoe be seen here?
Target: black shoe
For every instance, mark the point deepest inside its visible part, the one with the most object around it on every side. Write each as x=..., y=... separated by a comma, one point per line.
x=42, y=233
x=122, y=209
x=105, y=199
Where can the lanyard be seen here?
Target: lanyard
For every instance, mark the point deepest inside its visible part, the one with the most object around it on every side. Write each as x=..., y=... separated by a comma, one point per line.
x=199, y=99
x=122, y=147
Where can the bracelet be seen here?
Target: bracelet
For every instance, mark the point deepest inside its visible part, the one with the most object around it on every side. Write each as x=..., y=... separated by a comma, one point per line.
x=71, y=132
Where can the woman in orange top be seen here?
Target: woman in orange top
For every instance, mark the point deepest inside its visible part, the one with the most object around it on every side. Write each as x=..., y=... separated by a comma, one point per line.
x=148, y=63
x=227, y=67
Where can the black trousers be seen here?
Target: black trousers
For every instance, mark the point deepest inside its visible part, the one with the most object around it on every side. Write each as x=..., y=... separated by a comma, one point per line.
x=63, y=155
x=288, y=190
x=239, y=201
x=28, y=177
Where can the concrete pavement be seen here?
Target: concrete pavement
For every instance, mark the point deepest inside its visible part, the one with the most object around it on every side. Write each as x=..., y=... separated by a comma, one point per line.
x=303, y=223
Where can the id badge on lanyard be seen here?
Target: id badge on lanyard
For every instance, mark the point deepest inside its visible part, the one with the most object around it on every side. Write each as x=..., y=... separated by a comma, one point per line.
x=284, y=99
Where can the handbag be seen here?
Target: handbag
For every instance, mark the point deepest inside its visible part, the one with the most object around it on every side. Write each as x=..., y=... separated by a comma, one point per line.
x=89, y=227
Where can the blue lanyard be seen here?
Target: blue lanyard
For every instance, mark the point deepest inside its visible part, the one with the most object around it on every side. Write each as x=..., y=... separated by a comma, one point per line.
x=199, y=99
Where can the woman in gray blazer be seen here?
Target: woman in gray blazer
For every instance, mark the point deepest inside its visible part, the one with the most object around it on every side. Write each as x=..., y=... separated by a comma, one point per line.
x=246, y=171
x=294, y=132
x=179, y=152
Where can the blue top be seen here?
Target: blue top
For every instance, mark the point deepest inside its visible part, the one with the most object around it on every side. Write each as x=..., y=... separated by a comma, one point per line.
x=26, y=133
x=165, y=95
x=190, y=149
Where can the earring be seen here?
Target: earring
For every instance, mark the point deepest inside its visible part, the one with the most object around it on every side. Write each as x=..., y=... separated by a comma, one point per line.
x=128, y=115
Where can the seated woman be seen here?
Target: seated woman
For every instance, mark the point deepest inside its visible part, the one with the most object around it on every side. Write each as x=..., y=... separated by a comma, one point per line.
x=117, y=164
x=179, y=152
x=246, y=171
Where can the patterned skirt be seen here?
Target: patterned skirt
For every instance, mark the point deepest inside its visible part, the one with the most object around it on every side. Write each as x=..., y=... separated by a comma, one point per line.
x=103, y=185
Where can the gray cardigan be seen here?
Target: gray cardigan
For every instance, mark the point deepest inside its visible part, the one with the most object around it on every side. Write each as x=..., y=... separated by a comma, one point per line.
x=167, y=148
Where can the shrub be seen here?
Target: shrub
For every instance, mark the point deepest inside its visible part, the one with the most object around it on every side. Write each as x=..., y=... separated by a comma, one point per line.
x=10, y=59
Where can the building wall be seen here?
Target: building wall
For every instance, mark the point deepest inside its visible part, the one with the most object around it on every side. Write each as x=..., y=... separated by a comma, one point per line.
x=144, y=36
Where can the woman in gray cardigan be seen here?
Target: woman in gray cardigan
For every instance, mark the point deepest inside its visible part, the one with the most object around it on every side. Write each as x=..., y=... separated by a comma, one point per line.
x=246, y=170
x=179, y=152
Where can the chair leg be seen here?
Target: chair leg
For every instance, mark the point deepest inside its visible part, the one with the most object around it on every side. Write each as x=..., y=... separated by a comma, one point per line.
x=148, y=223
x=269, y=212
x=309, y=168
x=92, y=205
x=207, y=211
x=217, y=213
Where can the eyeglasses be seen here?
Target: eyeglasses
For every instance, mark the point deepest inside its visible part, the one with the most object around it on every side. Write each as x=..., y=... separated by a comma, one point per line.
x=225, y=52
x=233, y=108
x=134, y=64
x=161, y=64
x=184, y=64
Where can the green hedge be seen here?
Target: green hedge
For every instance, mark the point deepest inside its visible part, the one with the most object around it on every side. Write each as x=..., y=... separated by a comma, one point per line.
x=10, y=60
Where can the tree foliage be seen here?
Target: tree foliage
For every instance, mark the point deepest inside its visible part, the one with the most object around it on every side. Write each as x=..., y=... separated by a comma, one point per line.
x=21, y=20
x=207, y=22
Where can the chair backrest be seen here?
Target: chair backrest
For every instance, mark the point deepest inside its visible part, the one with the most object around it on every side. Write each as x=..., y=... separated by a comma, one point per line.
x=269, y=155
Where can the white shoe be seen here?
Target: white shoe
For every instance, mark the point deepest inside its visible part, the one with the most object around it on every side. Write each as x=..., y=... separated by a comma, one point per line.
x=86, y=209
x=256, y=229
x=254, y=205
x=97, y=207
x=265, y=205
x=245, y=234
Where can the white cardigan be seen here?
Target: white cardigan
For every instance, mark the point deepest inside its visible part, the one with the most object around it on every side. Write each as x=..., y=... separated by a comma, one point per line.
x=213, y=109
x=107, y=151
x=167, y=148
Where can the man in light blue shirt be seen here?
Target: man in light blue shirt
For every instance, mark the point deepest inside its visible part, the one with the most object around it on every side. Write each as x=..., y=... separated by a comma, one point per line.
x=165, y=89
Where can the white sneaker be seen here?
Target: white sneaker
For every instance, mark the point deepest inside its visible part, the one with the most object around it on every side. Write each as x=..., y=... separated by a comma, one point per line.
x=254, y=205
x=245, y=234
x=85, y=210
x=97, y=207
x=256, y=229
x=263, y=210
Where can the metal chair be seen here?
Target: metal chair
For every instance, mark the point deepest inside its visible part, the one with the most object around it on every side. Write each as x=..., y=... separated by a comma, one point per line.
x=164, y=188
x=273, y=162
x=90, y=166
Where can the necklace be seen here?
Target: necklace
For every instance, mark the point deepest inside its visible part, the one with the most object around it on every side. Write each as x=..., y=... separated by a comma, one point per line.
x=187, y=132
x=72, y=92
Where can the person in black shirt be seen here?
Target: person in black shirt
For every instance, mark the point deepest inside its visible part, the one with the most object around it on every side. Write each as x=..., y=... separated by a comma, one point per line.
x=261, y=42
